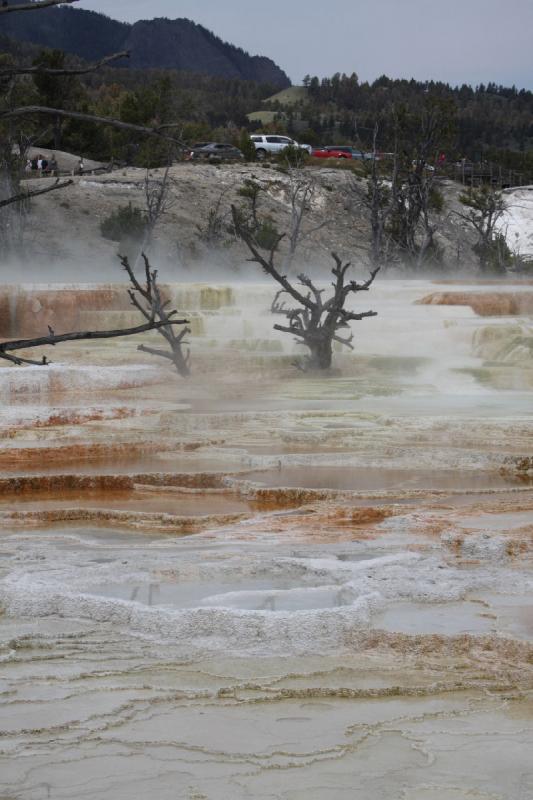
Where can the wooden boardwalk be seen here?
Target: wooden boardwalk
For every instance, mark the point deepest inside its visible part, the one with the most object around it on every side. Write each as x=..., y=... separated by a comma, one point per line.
x=485, y=173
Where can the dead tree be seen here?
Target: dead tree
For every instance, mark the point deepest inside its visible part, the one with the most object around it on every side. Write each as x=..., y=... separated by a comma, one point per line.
x=147, y=300
x=314, y=322
x=419, y=139
x=158, y=202
x=402, y=201
x=302, y=189
x=379, y=201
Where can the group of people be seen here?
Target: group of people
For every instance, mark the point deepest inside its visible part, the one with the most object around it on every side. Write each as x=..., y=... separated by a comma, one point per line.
x=42, y=165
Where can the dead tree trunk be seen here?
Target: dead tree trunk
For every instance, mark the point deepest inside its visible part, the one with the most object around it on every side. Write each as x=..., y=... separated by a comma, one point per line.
x=301, y=192
x=320, y=345
x=158, y=202
x=314, y=322
x=19, y=198
x=379, y=203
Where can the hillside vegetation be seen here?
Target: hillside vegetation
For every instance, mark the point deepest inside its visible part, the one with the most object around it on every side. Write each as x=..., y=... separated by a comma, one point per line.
x=154, y=44
x=486, y=122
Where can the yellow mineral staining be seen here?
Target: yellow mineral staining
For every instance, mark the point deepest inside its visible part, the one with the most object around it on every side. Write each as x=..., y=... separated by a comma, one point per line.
x=485, y=304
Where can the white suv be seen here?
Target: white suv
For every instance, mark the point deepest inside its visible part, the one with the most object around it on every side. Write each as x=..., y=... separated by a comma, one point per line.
x=272, y=143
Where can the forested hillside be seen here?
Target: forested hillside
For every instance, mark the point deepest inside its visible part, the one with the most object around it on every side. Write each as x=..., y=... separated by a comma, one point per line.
x=180, y=73
x=197, y=105
x=154, y=44
x=486, y=121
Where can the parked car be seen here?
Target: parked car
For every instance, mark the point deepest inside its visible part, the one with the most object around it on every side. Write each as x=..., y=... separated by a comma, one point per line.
x=332, y=152
x=342, y=151
x=215, y=151
x=270, y=143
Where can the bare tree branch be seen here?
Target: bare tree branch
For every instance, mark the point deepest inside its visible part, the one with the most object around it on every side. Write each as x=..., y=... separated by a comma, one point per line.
x=40, y=70
x=155, y=309
x=155, y=352
x=114, y=123
x=346, y=342
x=150, y=305
x=35, y=6
x=158, y=201
x=349, y=316
x=53, y=339
x=17, y=198
x=290, y=329
x=268, y=266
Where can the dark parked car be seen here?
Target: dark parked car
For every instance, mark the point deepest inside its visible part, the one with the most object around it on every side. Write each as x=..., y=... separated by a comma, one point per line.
x=215, y=151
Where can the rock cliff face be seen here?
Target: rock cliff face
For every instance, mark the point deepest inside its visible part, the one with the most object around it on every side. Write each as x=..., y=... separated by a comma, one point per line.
x=157, y=44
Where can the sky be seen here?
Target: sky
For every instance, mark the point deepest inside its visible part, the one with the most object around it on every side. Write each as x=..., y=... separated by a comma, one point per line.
x=458, y=41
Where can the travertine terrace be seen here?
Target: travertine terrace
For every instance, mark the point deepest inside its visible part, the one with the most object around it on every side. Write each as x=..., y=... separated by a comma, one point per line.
x=258, y=583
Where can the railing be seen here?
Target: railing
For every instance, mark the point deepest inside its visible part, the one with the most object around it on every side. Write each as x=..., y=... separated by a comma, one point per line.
x=470, y=173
